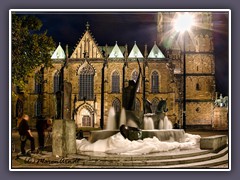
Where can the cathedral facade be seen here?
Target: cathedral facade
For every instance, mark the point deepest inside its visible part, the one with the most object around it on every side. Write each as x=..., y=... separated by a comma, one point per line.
x=98, y=75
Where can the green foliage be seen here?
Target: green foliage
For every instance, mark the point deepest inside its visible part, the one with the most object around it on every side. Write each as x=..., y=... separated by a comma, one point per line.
x=30, y=48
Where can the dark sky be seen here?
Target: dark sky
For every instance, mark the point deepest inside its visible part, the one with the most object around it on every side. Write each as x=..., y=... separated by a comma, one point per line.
x=126, y=27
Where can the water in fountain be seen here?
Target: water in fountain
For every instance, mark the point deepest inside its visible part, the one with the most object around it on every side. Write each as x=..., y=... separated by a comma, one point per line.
x=122, y=117
x=166, y=123
x=148, y=123
x=111, y=121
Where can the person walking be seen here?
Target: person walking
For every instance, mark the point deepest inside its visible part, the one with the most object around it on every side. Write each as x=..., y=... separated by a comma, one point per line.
x=25, y=134
x=42, y=125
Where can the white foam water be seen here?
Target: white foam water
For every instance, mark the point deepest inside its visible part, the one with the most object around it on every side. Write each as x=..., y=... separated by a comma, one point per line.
x=111, y=121
x=166, y=123
x=117, y=144
x=148, y=123
x=122, y=117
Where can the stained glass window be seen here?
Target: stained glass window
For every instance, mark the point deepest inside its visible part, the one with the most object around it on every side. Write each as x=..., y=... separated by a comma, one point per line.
x=86, y=83
x=155, y=82
x=115, y=82
x=38, y=82
x=86, y=120
x=57, y=82
x=117, y=105
x=38, y=107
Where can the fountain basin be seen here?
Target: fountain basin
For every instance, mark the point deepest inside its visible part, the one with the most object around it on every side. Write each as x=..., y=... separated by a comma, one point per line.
x=163, y=134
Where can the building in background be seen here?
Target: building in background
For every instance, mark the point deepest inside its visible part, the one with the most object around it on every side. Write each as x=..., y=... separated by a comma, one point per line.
x=163, y=69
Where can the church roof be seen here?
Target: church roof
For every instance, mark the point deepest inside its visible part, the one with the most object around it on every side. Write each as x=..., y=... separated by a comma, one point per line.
x=116, y=52
x=135, y=52
x=155, y=52
x=59, y=53
x=88, y=45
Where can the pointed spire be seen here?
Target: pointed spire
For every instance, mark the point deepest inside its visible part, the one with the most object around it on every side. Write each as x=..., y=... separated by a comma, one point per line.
x=106, y=50
x=58, y=53
x=87, y=26
x=126, y=51
x=145, y=51
x=155, y=52
x=116, y=52
x=67, y=51
x=135, y=52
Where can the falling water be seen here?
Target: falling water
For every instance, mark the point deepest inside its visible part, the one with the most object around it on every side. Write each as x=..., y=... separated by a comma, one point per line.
x=148, y=123
x=166, y=123
x=160, y=124
x=111, y=121
x=122, y=117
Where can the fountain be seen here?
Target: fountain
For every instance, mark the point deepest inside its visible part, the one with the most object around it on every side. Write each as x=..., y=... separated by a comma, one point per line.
x=152, y=125
x=147, y=140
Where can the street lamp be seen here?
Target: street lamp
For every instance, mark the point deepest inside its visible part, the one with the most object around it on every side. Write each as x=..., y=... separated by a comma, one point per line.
x=182, y=24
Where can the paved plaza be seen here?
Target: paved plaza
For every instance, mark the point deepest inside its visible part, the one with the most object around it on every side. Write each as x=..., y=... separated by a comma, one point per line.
x=185, y=159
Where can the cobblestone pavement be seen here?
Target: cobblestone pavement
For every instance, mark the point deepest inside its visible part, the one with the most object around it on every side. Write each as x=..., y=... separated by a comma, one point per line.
x=20, y=163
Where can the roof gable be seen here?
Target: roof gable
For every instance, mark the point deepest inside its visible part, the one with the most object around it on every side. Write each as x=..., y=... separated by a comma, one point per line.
x=58, y=53
x=155, y=52
x=116, y=52
x=88, y=46
x=135, y=52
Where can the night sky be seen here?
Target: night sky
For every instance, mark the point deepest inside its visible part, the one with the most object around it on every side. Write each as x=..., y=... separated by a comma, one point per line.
x=125, y=28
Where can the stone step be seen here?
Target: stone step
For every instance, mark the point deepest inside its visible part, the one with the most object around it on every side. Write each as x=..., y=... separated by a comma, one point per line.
x=152, y=156
x=213, y=163
x=156, y=163
x=185, y=159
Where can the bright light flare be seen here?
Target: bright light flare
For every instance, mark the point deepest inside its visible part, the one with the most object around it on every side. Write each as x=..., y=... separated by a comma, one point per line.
x=183, y=22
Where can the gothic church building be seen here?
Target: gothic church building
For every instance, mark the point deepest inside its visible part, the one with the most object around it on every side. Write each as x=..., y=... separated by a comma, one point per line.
x=163, y=66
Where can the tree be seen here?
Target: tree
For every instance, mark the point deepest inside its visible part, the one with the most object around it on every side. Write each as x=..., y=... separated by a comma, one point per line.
x=31, y=48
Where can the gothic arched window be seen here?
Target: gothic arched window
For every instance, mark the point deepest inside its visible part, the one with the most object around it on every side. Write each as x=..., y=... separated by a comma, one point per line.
x=19, y=108
x=38, y=107
x=117, y=105
x=155, y=102
x=38, y=82
x=86, y=83
x=155, y=82
x=57, y=82
x=115, y=82
x=134, y=77
x=86, y=120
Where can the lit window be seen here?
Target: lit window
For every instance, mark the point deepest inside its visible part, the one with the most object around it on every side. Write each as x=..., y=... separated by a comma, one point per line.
x=86, y=83
x=115, y=82
x=155, y=82
x=86, y=120
x=38, y=82
x=117, y=105
x=38, y=107
x=57, y=82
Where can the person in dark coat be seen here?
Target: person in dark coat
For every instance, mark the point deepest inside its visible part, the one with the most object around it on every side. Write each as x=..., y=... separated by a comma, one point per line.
x=25, y=134
x=40, y=126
